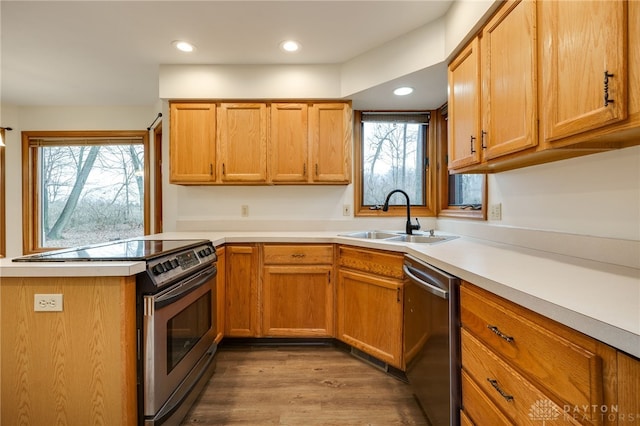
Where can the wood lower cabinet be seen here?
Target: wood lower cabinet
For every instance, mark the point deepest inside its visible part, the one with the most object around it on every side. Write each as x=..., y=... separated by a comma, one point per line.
x=74, y=367
x=370, y=302
x=531, y=367
x=297, y=291
x=242, y=315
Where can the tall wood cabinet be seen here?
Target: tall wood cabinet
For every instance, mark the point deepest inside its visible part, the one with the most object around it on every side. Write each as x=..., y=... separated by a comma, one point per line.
x=369, y=310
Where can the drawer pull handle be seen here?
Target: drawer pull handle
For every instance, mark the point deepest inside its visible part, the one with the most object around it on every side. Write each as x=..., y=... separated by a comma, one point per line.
x=495, y=385
x=298, y=255
x=497, y=331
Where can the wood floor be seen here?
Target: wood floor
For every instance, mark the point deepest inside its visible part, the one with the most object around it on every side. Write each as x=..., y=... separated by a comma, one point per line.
x=301, y=386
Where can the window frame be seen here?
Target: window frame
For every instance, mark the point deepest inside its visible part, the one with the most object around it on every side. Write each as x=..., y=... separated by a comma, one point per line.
x=429, y=196
x=3, y=227
x=445, y=210
x=30, y=193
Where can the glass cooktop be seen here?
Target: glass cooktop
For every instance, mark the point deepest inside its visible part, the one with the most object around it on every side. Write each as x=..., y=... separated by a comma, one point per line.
x=118, y=250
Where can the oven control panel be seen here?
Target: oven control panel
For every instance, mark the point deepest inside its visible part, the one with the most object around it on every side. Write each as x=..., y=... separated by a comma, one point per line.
x=165, y=269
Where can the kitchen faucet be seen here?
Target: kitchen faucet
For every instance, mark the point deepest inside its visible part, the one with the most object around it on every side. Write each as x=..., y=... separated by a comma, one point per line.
x=410, y=227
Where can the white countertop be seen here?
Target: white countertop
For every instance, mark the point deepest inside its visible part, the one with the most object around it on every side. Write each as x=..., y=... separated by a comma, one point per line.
x=598, y=299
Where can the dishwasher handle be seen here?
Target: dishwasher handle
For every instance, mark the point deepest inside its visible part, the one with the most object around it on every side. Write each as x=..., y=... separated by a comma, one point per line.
x=433, y=289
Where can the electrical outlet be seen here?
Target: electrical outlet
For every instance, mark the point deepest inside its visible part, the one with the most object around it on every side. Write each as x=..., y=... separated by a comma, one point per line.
x=495, y=211
x=244, y=210
x=346, y=210
x=47, y=302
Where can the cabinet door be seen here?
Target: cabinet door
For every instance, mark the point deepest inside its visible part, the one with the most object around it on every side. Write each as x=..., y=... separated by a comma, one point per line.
x=243, y=142
x=464, y=107
x=331, y=142
x=297, y=301
x=241, y=318
x=584, y=63
x=509, y=93
x=289, y=144
x=369, y=315
x=192, y=145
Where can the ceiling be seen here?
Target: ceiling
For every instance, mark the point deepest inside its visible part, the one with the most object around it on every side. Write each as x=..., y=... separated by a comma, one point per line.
x=79, y=53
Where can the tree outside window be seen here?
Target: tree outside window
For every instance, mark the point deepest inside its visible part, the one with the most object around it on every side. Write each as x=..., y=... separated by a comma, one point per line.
x=86, y=190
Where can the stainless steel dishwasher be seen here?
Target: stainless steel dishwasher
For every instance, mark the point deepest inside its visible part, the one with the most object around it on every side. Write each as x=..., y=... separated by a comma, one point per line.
x=432, y=340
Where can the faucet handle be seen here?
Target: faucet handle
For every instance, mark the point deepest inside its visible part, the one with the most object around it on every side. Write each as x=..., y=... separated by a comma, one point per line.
x=416, y=227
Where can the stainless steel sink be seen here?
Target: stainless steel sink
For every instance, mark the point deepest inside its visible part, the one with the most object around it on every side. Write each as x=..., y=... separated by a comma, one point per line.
x=371, y=235
x=426, y=239
x=392, y=236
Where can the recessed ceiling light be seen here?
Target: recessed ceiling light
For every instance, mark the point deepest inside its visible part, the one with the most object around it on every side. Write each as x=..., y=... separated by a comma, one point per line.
x=403, y=91
x=183, y=46
x=290, y=46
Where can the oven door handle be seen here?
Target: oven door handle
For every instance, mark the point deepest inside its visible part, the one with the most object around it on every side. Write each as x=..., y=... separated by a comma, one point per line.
x=184, y=288
x=431, y=288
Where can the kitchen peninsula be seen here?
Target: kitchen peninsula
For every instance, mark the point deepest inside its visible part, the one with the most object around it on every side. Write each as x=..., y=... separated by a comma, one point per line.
x=601, y=301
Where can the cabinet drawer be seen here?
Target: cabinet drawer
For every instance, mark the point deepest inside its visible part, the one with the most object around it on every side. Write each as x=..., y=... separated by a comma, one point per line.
x=478, y=408
x=376, y=262
x=277, y=254
x=558, y=359
x=519, y=399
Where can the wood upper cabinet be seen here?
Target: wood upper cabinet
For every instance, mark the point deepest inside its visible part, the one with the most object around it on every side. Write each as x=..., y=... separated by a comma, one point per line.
x=242, y=129
x=330, y=136
x=584, y=65
x=464, y=107
x=369, y=300
x=297, y=290
x=192, y=147
x=509, y=101
x=242, y=315
x=289, y=145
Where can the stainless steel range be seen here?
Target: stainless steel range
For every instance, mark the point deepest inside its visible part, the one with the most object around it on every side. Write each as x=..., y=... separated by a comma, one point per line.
x=176, y=318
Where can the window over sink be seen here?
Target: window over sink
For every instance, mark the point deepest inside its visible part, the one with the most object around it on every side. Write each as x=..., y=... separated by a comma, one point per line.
x=84, y=187
x=393, y=152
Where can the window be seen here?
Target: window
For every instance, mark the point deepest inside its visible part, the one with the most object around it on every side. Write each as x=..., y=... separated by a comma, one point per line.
x=393, y=153
x=84, y=188
x=461, y=195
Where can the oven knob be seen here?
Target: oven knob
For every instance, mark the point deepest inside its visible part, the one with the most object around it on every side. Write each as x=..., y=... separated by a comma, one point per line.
x=175, y=263
x=167, y=265
x=158, y=269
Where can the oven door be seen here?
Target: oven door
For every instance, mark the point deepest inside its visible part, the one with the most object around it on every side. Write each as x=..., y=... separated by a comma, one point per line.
x=178, y=334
